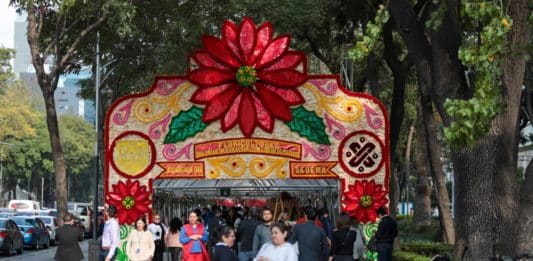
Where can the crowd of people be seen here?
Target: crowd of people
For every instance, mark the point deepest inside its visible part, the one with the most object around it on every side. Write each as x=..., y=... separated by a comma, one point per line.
x=244, y=234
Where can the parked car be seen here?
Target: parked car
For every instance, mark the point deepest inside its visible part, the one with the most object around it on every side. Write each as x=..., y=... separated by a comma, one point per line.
x=7, y=210
x=11, y=239
x=83, y=211
x=35, y=233
x=26, y=213
x=6, y=215
x=51, y=224
x=80, y=226
x=48, y=212
x=24, y=205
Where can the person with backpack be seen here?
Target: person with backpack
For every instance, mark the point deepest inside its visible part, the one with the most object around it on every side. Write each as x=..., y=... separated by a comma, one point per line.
x=343, y=239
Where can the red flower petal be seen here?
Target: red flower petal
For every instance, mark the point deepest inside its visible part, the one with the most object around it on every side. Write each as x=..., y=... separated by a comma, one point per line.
x=115, y=197
x=262, y=38
x=206, y=76
x=230, y=32
x=217, y=49
x=203, y=58
x=134, y=187
x=142, y=207
x=247, y=113
x=204, y=95
x=122, y=189
x=263, y=116
x=283, y=78
x=275, y=104
x=372, y=216
x=246, y=38
x=142, y=196
x=220, y=104
x=290, y=60
x=370, y=187
x=274, y=50
x=232, y=115
x=351, y=207
x=359, y=188
x=290, y=96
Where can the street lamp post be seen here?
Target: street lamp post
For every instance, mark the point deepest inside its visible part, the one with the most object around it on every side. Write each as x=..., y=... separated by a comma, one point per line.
x=96, y=158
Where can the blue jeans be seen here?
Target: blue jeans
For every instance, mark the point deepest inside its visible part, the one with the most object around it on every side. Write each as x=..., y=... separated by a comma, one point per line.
x=103, y=255
x=384, y=251
x=246, y=255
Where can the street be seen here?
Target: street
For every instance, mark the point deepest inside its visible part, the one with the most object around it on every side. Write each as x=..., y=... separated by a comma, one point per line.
x=42, y=254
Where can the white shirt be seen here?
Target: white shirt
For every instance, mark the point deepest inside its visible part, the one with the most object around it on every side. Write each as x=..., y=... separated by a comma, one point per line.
x=111, y=236
x=140, y=245
x=154, y=228
x=284, y=252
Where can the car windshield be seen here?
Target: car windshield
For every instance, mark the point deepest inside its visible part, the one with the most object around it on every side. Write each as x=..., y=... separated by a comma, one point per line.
x=24, y=221
x=70, y=207
x=2, y=223
x=5, y=215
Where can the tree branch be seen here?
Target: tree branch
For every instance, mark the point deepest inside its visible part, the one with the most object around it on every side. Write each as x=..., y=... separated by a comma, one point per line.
x=80, y=37
x=63, y=32
x=316, y=51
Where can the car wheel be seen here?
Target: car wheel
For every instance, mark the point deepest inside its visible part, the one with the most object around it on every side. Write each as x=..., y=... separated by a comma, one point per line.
x=21, y=248
x=10, y=249
x=47, y=245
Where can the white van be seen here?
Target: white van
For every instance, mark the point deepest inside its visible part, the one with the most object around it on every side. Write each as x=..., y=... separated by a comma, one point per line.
x=24, y=205
x=82, y=211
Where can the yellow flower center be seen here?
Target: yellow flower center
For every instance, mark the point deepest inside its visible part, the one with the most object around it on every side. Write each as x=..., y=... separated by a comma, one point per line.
x=365, y=201
x=128, y=202
x=246, y=76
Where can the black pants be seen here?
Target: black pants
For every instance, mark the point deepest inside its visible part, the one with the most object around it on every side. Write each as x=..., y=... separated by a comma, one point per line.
x=384, y=251
x=343, y=258
x=175, y=253
x=159, y=249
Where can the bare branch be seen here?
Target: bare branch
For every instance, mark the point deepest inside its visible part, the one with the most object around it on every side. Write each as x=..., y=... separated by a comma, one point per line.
x=63, y=32
x=77, y=42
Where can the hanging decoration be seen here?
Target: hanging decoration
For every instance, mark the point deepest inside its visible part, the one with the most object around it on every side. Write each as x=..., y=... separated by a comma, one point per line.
x=363, y=199
x=131, y=199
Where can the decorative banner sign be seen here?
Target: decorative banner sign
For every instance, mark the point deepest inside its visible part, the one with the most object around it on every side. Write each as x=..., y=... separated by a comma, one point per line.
x=247, y=109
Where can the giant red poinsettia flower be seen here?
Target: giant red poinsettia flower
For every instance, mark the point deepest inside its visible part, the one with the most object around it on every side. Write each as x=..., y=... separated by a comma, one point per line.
x=131, y=200
x=363, y=199
x=247, y=77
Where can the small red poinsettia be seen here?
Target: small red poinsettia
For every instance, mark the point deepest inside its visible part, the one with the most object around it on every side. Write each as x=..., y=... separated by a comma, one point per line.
x=247, y=77
x=363, y=199
x=131, y=200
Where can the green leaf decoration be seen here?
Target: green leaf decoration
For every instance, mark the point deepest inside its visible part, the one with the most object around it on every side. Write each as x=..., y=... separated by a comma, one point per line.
x=308, y=125
x=184, y=125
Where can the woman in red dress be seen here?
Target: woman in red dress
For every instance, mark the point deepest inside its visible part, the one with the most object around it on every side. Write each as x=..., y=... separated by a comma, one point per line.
x=193, y=237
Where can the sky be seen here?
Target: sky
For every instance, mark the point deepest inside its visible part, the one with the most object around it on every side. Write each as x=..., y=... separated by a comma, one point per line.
x=7, y=24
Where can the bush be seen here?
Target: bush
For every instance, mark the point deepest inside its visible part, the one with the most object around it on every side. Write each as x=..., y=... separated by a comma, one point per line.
x=408, y=232
x=427, y=248
x=409, y=256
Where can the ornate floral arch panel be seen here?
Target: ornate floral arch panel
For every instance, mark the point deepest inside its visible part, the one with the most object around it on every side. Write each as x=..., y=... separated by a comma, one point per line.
x=247, y=109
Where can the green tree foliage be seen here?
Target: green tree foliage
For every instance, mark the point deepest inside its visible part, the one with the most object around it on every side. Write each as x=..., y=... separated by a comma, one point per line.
x=16, y=114
x=5, y=67
x=31, y=158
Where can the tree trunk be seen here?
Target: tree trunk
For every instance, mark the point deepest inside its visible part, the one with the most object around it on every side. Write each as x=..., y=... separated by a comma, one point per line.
x=421, y=201
x=434, y=155
x=57, y=153
x=513, y=71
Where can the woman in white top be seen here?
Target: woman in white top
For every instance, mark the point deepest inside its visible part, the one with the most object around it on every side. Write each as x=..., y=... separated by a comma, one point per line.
x=279, y=249
x=140, y=246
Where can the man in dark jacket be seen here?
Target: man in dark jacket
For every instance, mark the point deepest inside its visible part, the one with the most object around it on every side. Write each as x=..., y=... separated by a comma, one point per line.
x=68, y=237
x=245, y=235
x=387, y=231
x=214, y=225
x=312, y=241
